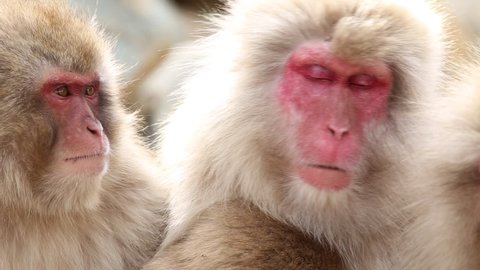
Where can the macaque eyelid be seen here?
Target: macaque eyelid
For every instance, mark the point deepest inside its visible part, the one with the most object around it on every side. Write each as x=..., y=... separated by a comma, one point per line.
x=318, y=72
x=361, y=86
x=364, y=80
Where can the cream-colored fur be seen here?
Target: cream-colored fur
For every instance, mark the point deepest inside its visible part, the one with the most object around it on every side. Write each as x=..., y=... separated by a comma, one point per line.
x=227, y=140
x=444, y=181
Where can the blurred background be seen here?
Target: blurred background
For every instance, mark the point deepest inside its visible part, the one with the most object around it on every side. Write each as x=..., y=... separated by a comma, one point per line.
x=151, y=35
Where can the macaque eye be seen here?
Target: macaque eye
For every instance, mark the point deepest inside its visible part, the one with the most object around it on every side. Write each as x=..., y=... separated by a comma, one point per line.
x=318, y=72
x=362, y=81
x=89, y=91
x=62, y=91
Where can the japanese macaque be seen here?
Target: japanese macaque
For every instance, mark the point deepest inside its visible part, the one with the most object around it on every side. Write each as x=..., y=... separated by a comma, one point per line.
x=444, y=180
x=298, y=109
x=78, y=190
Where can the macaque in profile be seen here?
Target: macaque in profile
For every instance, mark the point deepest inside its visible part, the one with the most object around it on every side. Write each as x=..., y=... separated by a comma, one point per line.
x=78, y=189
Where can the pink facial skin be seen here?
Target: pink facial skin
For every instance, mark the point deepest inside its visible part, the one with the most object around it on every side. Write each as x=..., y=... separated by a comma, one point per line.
x=73, y=99
x=328, y=101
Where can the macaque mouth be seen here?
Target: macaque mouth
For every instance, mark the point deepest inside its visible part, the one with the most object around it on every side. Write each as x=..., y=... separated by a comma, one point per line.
x=325, y=167
x=74, y=159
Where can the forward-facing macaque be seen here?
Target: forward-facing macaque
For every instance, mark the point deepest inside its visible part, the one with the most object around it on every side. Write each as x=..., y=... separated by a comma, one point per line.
x=298, y=109
x=77, y=188
x=444, y=181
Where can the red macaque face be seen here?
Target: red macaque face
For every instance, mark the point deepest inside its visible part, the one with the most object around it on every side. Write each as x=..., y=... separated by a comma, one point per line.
x=73, y=100
x=328, y=102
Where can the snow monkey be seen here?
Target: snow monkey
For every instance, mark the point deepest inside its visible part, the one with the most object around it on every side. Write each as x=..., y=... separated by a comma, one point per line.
x=294, y=114
x=78, y=189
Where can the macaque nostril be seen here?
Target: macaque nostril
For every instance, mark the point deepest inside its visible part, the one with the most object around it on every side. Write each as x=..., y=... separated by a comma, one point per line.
x=94, y=127
x=92, y=130
x=336, y=132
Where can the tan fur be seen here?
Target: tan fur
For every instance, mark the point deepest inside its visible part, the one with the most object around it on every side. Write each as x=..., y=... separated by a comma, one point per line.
x=226, y=140
x=444, y=181
x=50, y=220
x=236, y=235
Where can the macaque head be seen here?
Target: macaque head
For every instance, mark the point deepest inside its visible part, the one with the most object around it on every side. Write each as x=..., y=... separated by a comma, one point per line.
x=56, y=83
x=300, y=107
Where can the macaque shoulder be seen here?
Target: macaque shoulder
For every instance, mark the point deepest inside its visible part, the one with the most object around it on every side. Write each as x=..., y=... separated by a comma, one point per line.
x=237, y=235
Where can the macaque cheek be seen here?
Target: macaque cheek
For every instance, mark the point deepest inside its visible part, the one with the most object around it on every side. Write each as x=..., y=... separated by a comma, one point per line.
x=373, y=106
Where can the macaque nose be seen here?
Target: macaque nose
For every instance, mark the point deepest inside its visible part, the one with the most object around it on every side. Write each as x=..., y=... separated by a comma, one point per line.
x=338, y=131
x=94, y=127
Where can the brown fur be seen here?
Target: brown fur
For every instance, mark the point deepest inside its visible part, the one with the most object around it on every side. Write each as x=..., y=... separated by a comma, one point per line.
x=51, y=220
x=237, y=235
x=227, y=139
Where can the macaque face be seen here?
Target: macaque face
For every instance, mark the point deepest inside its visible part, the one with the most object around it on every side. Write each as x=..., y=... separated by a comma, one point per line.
x=81, y=146
x=328, y=101
x=58, y=90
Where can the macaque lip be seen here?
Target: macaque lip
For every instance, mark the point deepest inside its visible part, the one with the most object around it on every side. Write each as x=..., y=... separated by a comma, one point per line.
x=84, y=157
x=326, y=167
x=93, y=164
x=324, y=177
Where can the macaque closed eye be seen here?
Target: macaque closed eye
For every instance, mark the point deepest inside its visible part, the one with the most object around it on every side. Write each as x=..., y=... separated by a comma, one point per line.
x=362, y=81
x=317, y=72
